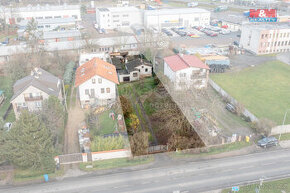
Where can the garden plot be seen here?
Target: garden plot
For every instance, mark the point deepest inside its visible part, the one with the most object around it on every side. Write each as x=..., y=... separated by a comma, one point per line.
x=148, y=108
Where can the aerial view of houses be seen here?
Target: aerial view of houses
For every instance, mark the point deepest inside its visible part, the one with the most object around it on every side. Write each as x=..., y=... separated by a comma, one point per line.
x=145, y=96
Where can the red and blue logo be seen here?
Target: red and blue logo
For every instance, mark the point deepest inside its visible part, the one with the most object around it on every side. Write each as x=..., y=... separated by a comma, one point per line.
x=263, y=15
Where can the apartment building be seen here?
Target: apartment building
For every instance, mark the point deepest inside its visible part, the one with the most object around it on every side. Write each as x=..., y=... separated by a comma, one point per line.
x=118, y=17
x=17, y=15
x=265, y=38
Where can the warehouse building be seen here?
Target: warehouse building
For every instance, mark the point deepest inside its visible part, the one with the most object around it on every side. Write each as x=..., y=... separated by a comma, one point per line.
x=118, y=17
x=17, y=15
x=183, y=17
x=265, y=38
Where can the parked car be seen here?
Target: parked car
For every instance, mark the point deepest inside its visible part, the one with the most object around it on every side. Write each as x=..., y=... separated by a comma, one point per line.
x=213, y=34
x=181, y=33
x=236, y=43
x=230, y=107
x=7, y=126
x=268, y=142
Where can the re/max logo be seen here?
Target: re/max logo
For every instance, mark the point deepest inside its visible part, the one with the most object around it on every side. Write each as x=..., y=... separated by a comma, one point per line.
x=263, y=15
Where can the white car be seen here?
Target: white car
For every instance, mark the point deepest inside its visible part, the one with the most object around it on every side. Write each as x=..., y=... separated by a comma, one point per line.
x=7, y=126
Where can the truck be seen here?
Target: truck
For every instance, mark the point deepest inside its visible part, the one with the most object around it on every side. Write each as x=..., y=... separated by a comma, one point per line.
x=221, y=8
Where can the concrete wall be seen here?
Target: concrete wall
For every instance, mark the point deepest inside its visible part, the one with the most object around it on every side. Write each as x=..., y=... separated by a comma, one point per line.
x=280, y=129
x=102, y=155
x=223, y=93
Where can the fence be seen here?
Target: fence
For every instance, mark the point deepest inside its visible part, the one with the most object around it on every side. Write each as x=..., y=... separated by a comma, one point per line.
x=157, y=149
x=223, y=93
x=93, y=156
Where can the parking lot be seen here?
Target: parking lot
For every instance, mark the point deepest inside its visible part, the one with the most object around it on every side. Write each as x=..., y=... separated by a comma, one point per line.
x=203, y=39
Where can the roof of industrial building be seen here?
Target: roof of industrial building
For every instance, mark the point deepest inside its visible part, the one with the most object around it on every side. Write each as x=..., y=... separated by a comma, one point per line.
x=46, y=7
x=50, y=21
x=267, y=26
x=119, y=9
x=180, y=62
x=40, y=79
x=94, y=67
x=61, y=34
x=175, y=11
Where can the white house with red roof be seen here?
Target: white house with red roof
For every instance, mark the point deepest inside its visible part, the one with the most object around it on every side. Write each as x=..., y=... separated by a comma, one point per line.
x=186, y=71
x=96, y=81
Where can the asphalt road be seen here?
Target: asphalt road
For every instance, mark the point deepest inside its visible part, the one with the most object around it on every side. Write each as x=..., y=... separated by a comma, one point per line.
x=182, y=176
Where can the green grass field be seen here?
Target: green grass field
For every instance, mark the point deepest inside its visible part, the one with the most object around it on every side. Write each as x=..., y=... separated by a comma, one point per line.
x=116, y=163
x=264, y=90
x=107, y=125
x=267, y=187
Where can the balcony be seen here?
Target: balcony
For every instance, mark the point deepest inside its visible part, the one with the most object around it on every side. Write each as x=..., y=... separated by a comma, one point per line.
x=34, y=98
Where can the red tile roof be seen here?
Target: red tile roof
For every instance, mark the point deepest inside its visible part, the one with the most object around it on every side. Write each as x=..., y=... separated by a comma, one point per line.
x=93, y=67
x=180, y=62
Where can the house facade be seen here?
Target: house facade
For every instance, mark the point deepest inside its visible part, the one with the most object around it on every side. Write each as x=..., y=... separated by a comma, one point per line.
x=31, y=91
x=186, y=71
x=96, y=81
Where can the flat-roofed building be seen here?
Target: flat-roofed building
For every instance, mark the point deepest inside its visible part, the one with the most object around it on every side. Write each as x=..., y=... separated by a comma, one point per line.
x=265, y=38
x=118, y=17
x=183, y=17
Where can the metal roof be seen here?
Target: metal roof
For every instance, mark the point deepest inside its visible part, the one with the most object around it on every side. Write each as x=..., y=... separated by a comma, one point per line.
x=61, y=34
x=175, y=11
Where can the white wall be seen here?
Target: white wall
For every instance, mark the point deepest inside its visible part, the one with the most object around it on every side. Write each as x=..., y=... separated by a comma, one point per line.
x=120, y=153
x=188, y=20
x=44, y=14
x=97, y=88
x=168, y=72
x=143, y=68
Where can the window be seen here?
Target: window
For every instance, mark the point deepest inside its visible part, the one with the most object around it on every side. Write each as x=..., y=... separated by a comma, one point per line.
x=115, y=21
x=284, y=35
x=262, y=36
x=48, y=17
x=275, y=43
x=282, y=43
x=182, y=75
x=92, y=92
x=57, y=16
x=102, y=90
x=146, y=69
x=99, y=80
x=135, y=74
x=108, y=90
x=115, y=15
x=87, y=91
x=279, y=43
x=125, y=15
x=24, y=105
x=94, y=81
x=196, y=19
x=75, y=16
x=39, y=17
x=38, y=104
x=47, y=26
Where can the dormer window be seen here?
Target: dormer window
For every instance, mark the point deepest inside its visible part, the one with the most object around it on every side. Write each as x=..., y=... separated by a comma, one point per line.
x=99, y=80
x=94, y=81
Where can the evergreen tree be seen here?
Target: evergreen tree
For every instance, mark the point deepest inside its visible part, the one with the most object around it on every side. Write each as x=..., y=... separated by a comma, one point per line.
x=29, y=145
x=53, y=116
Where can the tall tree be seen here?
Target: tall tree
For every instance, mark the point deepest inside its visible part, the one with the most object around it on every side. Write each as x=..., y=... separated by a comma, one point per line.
x=53, y=116
x=29, y=144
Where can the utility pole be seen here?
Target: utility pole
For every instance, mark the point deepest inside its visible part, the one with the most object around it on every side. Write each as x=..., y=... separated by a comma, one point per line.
x=284, y=119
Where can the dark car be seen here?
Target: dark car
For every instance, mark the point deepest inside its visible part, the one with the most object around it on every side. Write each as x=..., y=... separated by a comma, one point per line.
x=181, y=33
x=230, y=107
x=268, y=142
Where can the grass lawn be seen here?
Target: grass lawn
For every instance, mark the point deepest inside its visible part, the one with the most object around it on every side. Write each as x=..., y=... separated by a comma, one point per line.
x=116, y=163
x=264, y=90
x=214, y=150
x=6, y=86
x=30, y=175
x=267, y=187
x=285, y=136
x=106, y=123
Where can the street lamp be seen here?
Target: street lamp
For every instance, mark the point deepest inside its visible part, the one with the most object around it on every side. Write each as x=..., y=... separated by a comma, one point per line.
x=285, y=115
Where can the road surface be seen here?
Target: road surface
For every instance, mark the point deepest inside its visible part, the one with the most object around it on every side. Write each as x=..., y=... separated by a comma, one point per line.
x=180, y=176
